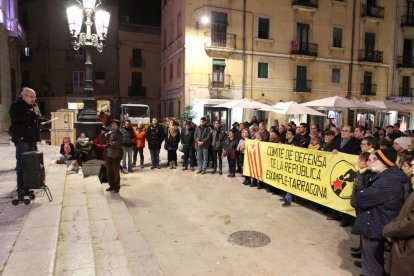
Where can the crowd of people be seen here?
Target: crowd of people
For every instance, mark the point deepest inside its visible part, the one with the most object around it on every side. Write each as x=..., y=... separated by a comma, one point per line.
x=382, y=188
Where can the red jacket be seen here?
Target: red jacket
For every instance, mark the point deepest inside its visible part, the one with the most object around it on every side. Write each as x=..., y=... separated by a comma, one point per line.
x=140, y=138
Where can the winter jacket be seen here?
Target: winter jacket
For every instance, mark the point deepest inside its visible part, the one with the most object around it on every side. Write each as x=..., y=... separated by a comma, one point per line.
x=127, y=135
x=362, y=181
x=155, y=136
x=24, y=122
x=114, y=145
x=230, y=146
x=187, y=138
x=72, y=149
x=334, y=145
x=217, y=139
x=353, y=146
x=172, y=140
x=202, y=133
x=140, y=135
x=100, y=143
x=401, y=230
x=302, y=141
x=378, y=204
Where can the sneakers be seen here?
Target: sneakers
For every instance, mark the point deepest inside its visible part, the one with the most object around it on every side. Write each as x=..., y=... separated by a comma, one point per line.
x=124, y=171
x=80, y=172
x=70, y=167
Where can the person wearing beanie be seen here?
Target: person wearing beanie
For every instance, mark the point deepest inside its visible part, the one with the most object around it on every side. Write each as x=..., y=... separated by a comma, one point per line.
x=402, y=144
x=376, y=206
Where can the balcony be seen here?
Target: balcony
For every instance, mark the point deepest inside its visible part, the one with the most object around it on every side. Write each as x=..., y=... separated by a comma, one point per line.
x=406, y=92
x=137, y=91
x=370, y=56
x=304, y=48
x=219, y=82
x=307, y=5
x=368, y=89
x=407, y=20
x=372, y=12
x=219, y=44
x=302, y=85
x=405, y=62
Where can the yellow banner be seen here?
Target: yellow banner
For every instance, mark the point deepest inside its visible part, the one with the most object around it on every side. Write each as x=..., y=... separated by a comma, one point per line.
x=323, y=177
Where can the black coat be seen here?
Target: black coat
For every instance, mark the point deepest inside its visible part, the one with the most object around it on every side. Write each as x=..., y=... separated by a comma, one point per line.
x=379, y=203
x=334, y=145
x=352, y=147
x=155, y=136
x=24, y=122
x=72, y=149
x=187, y=139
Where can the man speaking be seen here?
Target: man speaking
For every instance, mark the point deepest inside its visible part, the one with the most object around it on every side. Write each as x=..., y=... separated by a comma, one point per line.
x=24, y=116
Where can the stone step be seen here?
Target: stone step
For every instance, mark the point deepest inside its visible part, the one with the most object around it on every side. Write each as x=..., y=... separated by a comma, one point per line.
x=32, y=234
x=109, y=253
x=141, y=260
x=74, y=250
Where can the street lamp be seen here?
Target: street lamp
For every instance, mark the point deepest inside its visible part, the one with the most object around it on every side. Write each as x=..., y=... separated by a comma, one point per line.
x=76, y=11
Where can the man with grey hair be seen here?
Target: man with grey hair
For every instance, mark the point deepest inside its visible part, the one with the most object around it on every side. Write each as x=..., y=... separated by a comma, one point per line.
x=24, y=115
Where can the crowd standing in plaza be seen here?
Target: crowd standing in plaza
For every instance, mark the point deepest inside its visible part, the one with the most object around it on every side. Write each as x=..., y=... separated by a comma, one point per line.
x=383, y=190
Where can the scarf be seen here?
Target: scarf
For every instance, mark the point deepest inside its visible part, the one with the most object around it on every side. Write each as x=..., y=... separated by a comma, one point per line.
x=315, y=147
x=173, y=131
x=83, y=142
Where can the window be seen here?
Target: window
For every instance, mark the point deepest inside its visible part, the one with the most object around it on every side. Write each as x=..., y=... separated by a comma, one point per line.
x=136, y=58
x=179, y=25
x=264, y=28
x=136, y=89
x=336, y=75
x=26, y=51
x=26, y=78
x=219, y=65
x=337, y=38
x=165, y=39
x=171, y=71
x=179, y=68
x=164, y=74
x=78, y=81
x=100, y=78
x=263, y=70
x=171, y=109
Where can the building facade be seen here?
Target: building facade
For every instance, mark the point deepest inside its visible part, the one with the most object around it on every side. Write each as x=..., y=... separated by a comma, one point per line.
x=292, y=50
x=57, y=72
x=12, y=40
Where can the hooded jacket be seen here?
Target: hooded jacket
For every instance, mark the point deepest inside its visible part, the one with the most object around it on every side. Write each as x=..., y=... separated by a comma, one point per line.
x=379, y=203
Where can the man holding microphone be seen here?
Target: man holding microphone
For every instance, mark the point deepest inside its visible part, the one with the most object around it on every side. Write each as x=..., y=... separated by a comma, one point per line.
x=24, y=116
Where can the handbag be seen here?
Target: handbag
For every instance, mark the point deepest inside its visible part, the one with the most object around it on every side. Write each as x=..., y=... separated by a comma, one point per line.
x=180, y=147
x=102, y=174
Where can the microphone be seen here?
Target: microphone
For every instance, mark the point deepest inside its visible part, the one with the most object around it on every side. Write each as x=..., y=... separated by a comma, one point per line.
x=37, y=107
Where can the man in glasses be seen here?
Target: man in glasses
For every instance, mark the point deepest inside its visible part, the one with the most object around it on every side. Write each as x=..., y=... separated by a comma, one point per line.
x=376, y=206
x=24, y=116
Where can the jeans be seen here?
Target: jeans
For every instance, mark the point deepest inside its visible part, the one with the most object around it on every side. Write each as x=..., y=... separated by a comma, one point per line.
x=127, y=151
x=155, y=157
x=189, y=153
x=65, y=158
x=21, y=148
x=141, y=155
x=232, y=165
x=217, y=155
x=202, y=158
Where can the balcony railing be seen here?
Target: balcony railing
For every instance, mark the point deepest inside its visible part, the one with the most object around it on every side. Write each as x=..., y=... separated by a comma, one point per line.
x=302, y=85
x=406, y=92
x=368, y=89
x=306, y=3
x=304, y=48
x=220, y=40
x=219, y=81
x=137, y=91
x=407, y=20
x=372, y=11
x=405, y=62
x=370, y=56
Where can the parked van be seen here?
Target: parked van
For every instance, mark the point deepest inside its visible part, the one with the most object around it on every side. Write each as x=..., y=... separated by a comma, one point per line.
x=136, y=113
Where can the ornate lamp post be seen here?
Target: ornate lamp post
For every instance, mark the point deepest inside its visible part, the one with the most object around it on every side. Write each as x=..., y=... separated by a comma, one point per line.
x=88, y=119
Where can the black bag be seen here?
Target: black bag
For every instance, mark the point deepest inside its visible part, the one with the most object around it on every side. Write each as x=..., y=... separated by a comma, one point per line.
x=102, y=174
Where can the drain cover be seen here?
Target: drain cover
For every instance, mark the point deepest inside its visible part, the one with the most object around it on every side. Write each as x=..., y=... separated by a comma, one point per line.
x=249, y=238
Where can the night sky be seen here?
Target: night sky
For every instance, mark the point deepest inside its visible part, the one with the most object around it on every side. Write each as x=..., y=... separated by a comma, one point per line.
x=143, y=12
